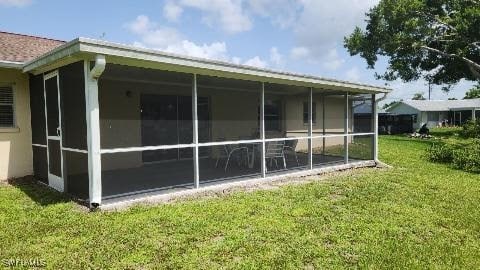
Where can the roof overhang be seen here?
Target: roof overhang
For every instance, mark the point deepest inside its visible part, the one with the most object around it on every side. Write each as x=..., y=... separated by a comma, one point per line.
x=10, y=64
x=464, y=108
x=87, y=49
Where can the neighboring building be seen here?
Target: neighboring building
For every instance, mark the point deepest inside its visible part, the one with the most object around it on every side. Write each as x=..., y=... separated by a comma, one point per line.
x=110, y=121
x=435, y=112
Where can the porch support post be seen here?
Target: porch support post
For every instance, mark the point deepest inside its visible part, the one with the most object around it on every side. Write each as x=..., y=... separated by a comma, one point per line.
x=310, y=128
x=196, y=173
x=345, y=128
x=262, y=130
x=473, y=114
x=375, y=128
x=93, y=129
x=323, y=124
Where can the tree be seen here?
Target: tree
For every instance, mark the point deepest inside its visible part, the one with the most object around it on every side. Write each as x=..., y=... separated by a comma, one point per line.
x=438, y=40
x=473, y=92
x=389, y=105
x=418, y=96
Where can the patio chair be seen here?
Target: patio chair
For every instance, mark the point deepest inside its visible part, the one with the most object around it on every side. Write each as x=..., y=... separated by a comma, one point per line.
x=290, y=147
x=232, y=151
x=274, y=151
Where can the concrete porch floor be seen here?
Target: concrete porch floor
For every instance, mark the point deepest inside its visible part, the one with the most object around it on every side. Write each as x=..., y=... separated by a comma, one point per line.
x=174, y=176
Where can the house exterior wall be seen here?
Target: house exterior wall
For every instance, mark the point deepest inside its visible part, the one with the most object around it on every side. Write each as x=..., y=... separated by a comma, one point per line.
x=16, y=143
x=441, y=116
x=334, y=120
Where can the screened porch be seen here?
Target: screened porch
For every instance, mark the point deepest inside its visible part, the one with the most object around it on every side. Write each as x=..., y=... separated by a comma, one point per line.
x=162, y=131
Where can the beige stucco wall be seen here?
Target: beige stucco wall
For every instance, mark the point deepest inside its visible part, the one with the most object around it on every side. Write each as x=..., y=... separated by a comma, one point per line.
x=334, y=120
x=16, y=144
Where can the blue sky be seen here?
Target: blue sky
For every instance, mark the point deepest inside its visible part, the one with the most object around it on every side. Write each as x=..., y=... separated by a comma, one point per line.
x=302, y=36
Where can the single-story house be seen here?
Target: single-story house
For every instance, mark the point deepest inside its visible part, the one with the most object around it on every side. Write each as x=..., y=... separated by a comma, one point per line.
x=105, y=122
x=435, y=112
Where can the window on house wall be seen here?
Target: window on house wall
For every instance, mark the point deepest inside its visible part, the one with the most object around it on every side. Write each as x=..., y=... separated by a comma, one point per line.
x=433, y=116
x=305, y=112
x=7, y=112
x=272, y=115
x=414, y=118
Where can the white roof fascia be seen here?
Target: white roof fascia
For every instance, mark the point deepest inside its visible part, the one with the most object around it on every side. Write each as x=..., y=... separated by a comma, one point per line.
x=114, y=52
x=11, y=64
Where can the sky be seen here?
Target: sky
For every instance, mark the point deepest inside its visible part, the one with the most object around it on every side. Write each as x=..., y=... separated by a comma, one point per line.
x=302, y=36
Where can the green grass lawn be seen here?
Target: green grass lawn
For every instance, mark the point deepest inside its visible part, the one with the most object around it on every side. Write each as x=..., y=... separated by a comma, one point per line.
x=416, y=215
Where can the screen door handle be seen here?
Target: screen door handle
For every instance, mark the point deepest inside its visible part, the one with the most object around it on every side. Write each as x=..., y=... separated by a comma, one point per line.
x=58, y=131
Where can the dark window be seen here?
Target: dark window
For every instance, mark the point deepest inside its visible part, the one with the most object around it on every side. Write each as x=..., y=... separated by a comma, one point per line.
x=305, y=112
x=414, y=118
x=7, y=117
x=433, y=116
x=272, y=115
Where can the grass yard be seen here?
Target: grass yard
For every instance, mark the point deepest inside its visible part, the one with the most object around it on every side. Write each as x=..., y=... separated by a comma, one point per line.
x=416, y=215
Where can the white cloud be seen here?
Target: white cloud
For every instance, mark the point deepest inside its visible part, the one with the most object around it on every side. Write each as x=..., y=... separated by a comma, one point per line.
x=215, y=50
x=332, y=60
x=276, y=58
x=318, y=26
x=235, y=16
x=256, y=62
x=172, y=11
x=322, y=25
x=236, y=60
x=169, y=39
x=282, y=13
x=153, y=35
x=227, y=14
x=297, y=53
x=353, y=75
x=15, y=3
x=140, y=25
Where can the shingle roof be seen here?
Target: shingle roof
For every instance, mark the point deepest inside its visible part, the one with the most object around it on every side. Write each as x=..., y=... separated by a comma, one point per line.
x=21, y=48
x=442, y=105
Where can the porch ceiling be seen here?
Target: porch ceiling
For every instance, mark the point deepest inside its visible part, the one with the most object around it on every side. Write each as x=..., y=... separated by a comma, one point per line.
x=83, y=48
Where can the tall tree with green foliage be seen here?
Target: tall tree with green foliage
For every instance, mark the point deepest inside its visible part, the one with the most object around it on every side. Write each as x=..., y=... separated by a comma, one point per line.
x=438, y=40
x=473, y=92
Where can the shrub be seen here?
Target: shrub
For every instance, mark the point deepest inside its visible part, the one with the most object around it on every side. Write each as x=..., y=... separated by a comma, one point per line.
x=468, y=158
x=471, y=129
x=440, y=152
x=461, y=154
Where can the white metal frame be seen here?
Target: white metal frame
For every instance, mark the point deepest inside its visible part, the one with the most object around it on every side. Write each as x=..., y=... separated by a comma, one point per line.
x=345, y=128
x=54, y=181
x=262, y=140
x=310, y=128
x=263, y=162
x=196, y=166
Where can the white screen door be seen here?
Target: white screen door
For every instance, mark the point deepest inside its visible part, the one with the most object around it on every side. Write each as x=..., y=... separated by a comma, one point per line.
x=54, y=132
